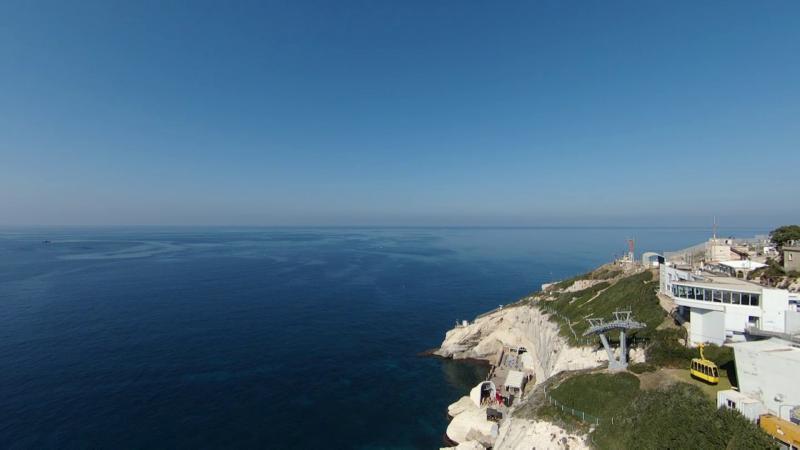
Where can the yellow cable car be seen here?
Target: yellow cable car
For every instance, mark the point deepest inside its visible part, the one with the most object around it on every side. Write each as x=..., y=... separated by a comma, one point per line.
x=704, y=369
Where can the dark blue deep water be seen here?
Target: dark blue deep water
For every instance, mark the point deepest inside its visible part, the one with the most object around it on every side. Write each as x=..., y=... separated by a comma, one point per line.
x=259, y=338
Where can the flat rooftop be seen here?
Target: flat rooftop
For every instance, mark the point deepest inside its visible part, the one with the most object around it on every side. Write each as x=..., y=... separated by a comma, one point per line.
x=738, y=396
x=725, y=283
x=743, y=264
x=774, y=347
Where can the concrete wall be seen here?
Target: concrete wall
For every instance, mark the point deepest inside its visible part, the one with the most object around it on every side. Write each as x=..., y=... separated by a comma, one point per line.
x=792, y=322
x=706, y=326
x=718, y=251
x=774, y=303
x=791, y=260
x=738, y=317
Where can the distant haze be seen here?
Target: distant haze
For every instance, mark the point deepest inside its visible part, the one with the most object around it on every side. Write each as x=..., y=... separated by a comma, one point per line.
x=399, y=113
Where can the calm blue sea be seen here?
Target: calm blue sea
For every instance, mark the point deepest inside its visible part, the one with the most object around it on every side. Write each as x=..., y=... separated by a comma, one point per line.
x=259, y=338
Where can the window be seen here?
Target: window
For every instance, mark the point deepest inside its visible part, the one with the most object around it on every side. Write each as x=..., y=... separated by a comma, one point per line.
x=726, y=297
x=698, y=294
x=745, y=298
x=707, y=295
x=754, y=299
x=718, y=296
x=690, y=293
x=736, y=297
x=731, y=404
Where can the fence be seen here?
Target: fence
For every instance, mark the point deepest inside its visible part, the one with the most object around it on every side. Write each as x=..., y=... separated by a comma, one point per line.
x=583, y=415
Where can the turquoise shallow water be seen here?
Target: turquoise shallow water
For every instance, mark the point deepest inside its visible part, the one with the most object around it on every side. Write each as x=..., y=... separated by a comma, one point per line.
x=259, y=338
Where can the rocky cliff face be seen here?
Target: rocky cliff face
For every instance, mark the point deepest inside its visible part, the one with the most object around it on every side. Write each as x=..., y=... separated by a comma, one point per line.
x=520, y=434
x=522, y=326
x=517, y=326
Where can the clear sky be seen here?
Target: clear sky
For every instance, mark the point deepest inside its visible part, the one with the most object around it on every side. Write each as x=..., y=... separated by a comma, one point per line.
x=399, y=113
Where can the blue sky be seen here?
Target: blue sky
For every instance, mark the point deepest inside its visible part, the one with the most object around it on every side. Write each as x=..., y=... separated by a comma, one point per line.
x=399, y=113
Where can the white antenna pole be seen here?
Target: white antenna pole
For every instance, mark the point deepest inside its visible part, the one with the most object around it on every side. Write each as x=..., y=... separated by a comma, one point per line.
x=714, y=233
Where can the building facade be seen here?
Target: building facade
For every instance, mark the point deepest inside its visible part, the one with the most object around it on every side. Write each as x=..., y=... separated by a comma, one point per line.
x=721, y=309
x=791, y=259
x=767, y=371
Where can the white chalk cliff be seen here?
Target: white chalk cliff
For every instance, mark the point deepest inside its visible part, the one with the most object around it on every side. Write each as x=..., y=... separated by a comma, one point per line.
x=521, y=434
x=517, y=326
x=523, y=326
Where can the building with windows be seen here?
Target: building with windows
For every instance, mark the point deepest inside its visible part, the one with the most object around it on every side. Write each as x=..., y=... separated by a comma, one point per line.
x=721, y=309
x=791, y=259
x=740, y=268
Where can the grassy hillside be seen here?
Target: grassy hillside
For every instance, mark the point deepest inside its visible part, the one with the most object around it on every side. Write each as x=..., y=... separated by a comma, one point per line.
x=679, y=416
x=637, y=292
x=598, y=394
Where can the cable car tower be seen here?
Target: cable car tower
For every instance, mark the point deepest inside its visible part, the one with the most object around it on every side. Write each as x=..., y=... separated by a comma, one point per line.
x=622, y=321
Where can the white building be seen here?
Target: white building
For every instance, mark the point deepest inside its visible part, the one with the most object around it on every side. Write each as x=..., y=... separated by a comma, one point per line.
x=750, y=407
x=767, y=371
x=740, y=268
x=718, y=249
x=724, y=308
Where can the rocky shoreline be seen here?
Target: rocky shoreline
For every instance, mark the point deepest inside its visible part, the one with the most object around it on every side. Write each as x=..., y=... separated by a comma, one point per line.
x=522, y=324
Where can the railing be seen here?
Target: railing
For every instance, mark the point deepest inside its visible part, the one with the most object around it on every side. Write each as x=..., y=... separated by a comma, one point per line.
x=583, y=415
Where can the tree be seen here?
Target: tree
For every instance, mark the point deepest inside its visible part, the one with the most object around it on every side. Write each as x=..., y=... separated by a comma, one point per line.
x=784, y=234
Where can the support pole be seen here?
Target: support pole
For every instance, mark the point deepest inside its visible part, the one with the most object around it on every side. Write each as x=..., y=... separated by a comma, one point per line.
x=623, y=353
x=608, y=349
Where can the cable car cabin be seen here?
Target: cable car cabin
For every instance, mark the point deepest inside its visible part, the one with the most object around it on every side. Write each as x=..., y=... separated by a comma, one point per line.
x=704, y=369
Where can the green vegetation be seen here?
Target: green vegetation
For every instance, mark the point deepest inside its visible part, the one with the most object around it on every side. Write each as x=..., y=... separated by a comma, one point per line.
x=644, y=367
x=637, y=292
x=710, y=390
x=773, y=274
x=674, y=411
x=781, y=235
x=598, y=394
x=665, y=350
x=679, y=416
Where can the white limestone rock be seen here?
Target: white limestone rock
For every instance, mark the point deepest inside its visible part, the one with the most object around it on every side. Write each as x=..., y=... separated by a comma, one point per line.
x=469, y=445
x=471, y=425
x=580, y=285
x=523, y=326
x=521, y=434
x=463, y=404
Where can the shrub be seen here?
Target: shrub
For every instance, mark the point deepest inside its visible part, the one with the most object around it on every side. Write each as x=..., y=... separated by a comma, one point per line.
x=642, y=367
x=682, y=417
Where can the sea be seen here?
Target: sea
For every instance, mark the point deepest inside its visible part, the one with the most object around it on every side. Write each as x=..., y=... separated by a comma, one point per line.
x=274, y=338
